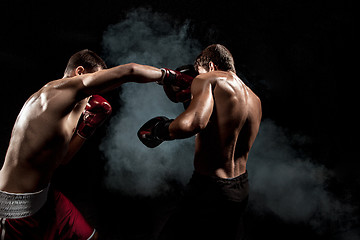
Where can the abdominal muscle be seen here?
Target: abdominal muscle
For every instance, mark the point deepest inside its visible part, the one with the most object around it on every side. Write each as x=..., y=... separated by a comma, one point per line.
x=30, y=173
x=34, y=153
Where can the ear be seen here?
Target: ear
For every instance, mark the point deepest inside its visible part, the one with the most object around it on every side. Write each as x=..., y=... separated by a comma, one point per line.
x=212, y=66
x=79, y=70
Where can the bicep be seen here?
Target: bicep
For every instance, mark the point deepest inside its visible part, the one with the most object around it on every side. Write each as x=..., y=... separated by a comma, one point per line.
x=65, y=93
x=202, y=103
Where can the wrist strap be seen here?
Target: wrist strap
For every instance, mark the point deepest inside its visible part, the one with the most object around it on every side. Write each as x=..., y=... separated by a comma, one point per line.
x=163, y=74
x=162, y=130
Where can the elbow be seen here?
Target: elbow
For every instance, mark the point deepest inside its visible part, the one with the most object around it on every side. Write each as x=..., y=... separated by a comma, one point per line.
x=134, y=72
x=187, y=129
x=201, y=126
x=131, y=68
x=199, y=123
x=194, y=129
x=126, y=70
x=198, y=126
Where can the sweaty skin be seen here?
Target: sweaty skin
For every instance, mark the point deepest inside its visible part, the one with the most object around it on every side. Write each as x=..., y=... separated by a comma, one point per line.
x=44, y=127
x=225, y=115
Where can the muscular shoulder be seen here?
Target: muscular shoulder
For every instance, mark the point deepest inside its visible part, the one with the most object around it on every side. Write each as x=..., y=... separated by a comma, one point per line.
x=70, y=84
x=223, y=82
x=226, y=83
x=214, y=77
x=58, y=96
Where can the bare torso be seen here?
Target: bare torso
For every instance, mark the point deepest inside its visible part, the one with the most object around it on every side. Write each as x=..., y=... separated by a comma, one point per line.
x=46, y=123
x=40, y=139
x=222, y=148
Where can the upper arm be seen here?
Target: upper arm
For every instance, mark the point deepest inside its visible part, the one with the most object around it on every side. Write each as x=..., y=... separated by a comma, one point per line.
x=197, y=115
x=65, y=93
x=69, y=91
x=108, y=79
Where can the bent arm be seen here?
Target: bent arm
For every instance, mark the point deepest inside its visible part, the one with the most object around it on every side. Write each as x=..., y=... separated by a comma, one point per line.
x=197, y=115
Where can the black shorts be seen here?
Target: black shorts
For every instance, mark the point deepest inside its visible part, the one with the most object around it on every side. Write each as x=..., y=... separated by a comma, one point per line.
x=214, y=189
x=212, y=208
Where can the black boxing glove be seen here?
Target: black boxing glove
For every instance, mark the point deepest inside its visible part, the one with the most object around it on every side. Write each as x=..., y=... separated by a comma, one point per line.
x=177, y=83
x=155, y=131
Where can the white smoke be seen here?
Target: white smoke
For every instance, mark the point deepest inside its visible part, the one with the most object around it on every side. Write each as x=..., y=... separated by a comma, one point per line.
x=152, y=39
x=289, y=185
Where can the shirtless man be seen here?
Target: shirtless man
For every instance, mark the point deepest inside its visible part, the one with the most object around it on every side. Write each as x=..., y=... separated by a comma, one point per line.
x=225, y=116
x=43, y=138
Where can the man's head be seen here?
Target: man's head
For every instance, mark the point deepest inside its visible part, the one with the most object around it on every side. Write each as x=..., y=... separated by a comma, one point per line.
x=84, y=61
x=215, y=57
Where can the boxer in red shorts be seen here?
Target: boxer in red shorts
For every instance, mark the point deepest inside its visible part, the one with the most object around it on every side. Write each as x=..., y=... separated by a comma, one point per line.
x=45, y=136
x=58, y=218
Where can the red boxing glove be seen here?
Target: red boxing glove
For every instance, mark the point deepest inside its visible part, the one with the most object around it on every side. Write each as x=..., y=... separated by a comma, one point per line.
x=177, y=83
x=96, y=112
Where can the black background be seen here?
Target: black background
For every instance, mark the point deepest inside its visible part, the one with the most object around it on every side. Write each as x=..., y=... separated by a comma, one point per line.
x=294, y=54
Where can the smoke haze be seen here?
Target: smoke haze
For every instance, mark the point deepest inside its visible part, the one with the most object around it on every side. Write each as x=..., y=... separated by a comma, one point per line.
x=152, y=39
x=290, y=186
x=281, y=182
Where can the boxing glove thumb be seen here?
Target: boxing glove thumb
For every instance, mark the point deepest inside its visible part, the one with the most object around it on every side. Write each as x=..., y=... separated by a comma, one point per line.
x=155, y=131
x=97, y=110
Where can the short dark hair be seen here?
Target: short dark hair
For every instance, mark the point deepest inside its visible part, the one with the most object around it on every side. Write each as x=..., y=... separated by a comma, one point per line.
x=219, y=55
x=87, y=59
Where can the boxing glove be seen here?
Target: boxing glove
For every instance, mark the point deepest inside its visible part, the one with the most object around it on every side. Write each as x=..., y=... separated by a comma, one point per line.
x=188, y=70
x=177, y=83
x=155, y=131
x=96, y=112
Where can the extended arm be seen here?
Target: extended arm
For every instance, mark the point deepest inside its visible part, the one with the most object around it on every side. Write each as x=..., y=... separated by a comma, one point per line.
x=65, y=93
x=109, y=79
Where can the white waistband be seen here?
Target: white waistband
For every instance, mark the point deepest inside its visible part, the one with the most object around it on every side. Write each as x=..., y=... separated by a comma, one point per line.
x=20, y=205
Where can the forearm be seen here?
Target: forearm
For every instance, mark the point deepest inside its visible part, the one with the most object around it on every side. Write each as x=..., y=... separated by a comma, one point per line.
x=184, y=126
x=159, y=129
x=75, y=144
x=94, y=114
x=144, y=73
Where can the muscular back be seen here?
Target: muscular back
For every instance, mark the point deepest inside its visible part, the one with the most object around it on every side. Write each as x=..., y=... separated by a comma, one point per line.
x=40, y=137
x=222, y=147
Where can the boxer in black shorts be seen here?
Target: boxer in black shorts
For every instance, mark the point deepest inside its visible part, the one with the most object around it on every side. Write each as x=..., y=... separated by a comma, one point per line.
x=212, y=208
x=225, y=116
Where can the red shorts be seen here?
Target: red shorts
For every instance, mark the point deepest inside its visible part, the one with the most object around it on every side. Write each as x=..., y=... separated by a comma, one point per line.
x=57, y=219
